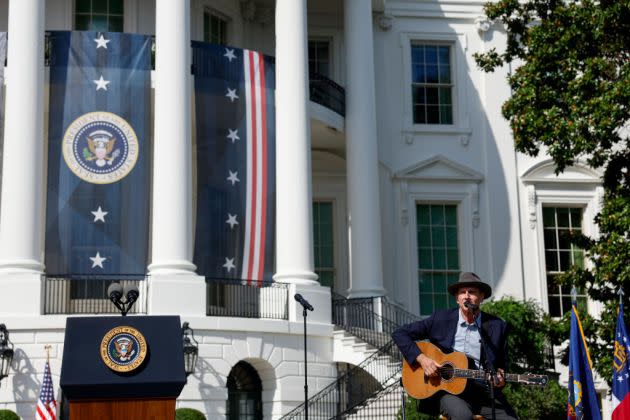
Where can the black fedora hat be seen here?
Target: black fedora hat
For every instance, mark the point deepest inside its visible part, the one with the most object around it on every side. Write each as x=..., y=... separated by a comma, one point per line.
x=467, y=278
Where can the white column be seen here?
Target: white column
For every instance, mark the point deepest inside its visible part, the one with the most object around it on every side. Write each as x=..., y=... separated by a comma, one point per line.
x=362, y=153
x=21, y=211
x=294, y=206
x=293, y=145
x=174, y=287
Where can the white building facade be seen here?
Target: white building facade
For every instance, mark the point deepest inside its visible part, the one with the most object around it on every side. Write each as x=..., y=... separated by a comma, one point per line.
x=401, y=178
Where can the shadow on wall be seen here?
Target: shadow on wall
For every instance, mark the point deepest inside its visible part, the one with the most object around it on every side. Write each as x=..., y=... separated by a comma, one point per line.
x=211, y=394
x=25, y=386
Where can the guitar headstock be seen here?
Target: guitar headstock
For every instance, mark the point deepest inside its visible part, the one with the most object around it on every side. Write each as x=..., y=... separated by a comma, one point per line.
x=531, y=379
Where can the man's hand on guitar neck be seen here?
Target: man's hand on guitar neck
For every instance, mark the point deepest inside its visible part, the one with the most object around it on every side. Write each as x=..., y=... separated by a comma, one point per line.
x=429, y=366
x=499, y=381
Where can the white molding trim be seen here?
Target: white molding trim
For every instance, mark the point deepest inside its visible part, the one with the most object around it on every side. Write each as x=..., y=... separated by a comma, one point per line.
x=447, y=170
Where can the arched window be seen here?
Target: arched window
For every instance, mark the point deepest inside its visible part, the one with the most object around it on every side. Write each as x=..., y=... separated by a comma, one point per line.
x=244, y=393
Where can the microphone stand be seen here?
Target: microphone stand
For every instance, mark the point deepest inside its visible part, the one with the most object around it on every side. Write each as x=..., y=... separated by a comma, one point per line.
x=305, y=369
x=488, y=365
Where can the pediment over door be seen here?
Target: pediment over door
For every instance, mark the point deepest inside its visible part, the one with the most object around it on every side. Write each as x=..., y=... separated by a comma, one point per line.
x=439, y=168
x=544, y=172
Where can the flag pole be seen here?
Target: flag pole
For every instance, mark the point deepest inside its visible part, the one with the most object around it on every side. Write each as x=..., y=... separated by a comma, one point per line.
x=47, y=348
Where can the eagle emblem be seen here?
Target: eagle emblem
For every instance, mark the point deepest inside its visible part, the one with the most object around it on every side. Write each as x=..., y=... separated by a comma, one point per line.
x=123, y=349
x=101, y=148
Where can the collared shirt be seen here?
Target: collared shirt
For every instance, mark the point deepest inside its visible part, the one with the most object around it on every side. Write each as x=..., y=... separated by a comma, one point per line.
x=467, y=339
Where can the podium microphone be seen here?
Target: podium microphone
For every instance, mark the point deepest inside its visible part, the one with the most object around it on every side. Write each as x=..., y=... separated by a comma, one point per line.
x=303, y=302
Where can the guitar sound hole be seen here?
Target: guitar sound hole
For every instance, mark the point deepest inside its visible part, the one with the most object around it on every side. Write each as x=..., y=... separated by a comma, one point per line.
x=446, y=372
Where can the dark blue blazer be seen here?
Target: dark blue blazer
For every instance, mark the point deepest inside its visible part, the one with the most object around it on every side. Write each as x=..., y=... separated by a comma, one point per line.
x=440, y=330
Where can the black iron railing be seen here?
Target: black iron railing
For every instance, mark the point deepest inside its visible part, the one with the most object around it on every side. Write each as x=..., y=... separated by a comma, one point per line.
x=327, y=93
x=236, y=298
x=360, y=318
x=88, y=294
x=386, y=404
x=355, y=386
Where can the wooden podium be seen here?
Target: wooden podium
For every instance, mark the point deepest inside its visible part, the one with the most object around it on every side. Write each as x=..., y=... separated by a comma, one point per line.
x=122, y=367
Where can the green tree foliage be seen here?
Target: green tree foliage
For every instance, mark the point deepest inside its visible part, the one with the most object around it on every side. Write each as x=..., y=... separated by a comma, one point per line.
x=531, y=333
x=8, y=415
x=570, y=96
x=189, y=414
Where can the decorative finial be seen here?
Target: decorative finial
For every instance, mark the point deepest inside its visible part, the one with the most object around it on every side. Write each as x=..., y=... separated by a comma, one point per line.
x=573, y=294
x=620, y=293
x=47, y=348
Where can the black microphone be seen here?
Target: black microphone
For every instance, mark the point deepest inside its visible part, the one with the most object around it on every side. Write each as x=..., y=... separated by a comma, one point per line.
x=471, y=306
x=115, y=292
x=303, y=302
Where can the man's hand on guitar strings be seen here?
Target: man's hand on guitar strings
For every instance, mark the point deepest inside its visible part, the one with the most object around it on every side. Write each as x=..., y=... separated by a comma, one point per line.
x=429, y=366
x=499, y=379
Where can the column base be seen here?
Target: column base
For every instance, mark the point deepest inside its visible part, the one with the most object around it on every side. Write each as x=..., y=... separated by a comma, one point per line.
x=297, y=277
x=172, y=267
x=177, y=294
x=319, y=298
x=21, y=293
x=21, y=266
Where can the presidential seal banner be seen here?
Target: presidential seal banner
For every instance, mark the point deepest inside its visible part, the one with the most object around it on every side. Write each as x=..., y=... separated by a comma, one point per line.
x=235, y=126
x=97, y=210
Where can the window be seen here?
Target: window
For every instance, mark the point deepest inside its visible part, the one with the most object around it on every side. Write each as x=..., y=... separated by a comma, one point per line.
x=560, y=254
x=244, y=393
x=438, y=255
x=323, y=242
x=99, y=15
x=214, y=28
x=319, y=57
x=431, y=84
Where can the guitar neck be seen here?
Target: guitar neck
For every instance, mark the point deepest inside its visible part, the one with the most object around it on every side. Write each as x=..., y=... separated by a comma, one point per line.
x=509, y=377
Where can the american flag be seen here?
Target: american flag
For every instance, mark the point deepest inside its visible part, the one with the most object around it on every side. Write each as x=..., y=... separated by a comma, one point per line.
x=235, y=118
x=46, y=404
x=621, y=371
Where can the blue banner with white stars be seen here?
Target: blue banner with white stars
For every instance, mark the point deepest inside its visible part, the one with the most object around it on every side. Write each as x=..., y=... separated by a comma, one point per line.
x=98, y=197
x=235, y=126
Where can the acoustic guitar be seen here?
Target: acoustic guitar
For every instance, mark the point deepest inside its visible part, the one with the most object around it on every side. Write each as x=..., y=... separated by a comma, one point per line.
x=453, y=374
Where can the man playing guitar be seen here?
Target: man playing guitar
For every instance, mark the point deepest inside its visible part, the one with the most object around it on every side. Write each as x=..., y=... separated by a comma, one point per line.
x=459, y=329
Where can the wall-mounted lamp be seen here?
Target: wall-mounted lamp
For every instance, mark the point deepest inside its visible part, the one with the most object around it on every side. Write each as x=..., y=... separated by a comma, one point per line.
x=6, y=352
x=191, y=349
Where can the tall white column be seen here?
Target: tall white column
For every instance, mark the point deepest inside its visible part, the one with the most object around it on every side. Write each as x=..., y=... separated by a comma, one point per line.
x=21, y=210
x=294, y=206
x=20, y=215
x=172, y=154
x=174, y=287
x=362, y=153
x=293, y=147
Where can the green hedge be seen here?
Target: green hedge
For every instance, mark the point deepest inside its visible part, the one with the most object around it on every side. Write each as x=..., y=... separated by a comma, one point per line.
x=187, y=414
x=8, y=415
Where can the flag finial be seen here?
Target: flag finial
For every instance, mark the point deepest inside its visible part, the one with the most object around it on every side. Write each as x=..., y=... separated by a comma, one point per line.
x=620, y=293
x=47, y=348
x=573, y=294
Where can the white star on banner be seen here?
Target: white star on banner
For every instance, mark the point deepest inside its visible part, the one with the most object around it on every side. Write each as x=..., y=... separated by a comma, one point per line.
x=231, y=220
x=229, y=264
x=97, y=260
x=229, y=54
x=620, y=378
x=233, y=178
x=101, y=42
x=99, y=214
x=233, y=135
x=101, y=83
x=231, y=93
